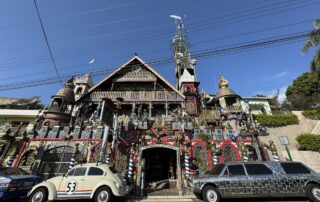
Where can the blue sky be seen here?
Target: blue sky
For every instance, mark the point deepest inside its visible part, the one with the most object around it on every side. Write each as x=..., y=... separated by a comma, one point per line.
x=111, y=31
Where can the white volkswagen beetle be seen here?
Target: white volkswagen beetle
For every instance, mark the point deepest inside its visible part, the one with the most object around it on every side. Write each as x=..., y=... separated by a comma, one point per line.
x=85, y=181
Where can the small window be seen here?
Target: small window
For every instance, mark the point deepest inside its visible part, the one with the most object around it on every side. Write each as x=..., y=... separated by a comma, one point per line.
x=258, y=169
x=95, y=171
x=80, y=171
x=71, y=172
x=295, y=168
x=236, y=170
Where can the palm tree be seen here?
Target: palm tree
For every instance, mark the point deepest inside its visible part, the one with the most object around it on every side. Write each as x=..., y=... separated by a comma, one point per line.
x=314, y=41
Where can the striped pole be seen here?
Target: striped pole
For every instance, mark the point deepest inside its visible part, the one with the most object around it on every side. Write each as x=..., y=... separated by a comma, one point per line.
x=131, y=162
x=244, y=152
x=72, y=162
x=274, y=151
x=186, y=162
x=214, y=152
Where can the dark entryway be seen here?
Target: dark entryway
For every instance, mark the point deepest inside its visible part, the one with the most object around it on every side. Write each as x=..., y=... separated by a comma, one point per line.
x=160, y=164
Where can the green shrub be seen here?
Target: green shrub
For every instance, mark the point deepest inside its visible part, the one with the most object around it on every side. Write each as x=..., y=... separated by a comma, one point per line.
x=276, y=119
x=308, y=141
x=312, y=114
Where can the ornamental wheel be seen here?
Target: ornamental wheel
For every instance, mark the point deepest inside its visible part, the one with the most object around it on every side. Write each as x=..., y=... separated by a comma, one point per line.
x=103, y=194
x=39, y=195
x=210, y=194
x=313, y=192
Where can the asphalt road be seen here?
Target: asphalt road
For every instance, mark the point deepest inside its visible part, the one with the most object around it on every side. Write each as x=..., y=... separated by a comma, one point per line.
x=189, y=199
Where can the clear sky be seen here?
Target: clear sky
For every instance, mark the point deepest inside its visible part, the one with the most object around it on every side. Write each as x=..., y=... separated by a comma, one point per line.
x=111, y=31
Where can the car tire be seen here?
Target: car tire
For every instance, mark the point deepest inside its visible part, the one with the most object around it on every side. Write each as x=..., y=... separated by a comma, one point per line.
x=103, y=194
x=210, y=194
x=313, y=192
x=39, y=195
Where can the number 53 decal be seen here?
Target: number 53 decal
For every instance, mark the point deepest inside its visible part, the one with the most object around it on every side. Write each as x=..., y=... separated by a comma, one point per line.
x=71, y=187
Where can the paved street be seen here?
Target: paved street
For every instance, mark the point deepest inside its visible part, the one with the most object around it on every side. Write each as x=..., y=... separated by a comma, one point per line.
x=189, y=199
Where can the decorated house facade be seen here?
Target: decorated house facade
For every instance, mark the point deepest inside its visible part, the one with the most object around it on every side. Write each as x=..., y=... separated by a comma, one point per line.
x=157, y=134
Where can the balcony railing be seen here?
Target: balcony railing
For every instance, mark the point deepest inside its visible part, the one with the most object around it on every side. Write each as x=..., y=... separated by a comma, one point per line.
x=137, y=76
x=136, y=95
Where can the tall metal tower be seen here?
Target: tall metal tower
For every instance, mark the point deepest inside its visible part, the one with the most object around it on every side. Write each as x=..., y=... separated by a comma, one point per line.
x=186, y=81
x=184, y=64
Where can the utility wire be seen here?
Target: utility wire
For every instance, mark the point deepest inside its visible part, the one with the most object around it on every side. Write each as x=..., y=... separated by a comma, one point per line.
x=47, y=42
x=165, y=34
x=203, y=54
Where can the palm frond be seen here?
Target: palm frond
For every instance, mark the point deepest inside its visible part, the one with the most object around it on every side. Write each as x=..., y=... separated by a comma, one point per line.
x=315, y=63
x=314, y=37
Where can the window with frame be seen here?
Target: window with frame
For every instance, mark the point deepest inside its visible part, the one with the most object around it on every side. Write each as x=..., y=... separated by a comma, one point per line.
x=236, y=170
x=80, y=171
x=295, y=168
x=258, y=169
x=93, y=171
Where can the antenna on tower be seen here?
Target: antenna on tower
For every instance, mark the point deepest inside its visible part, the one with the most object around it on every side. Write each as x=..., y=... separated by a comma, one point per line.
x=176, y=18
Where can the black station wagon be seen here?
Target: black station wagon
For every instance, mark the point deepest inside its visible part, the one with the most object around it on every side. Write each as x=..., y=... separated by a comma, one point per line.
x=258, y=179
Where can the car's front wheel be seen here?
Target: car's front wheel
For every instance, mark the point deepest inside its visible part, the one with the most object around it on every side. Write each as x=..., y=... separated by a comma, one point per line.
x=210, y=194
x=39, y=195
x=313, y=192
x=103, y=194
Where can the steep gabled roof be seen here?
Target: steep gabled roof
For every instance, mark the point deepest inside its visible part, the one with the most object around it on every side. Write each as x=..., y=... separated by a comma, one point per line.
x=124, y=66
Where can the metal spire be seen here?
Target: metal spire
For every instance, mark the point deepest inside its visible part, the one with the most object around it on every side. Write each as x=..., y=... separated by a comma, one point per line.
x=184, y=64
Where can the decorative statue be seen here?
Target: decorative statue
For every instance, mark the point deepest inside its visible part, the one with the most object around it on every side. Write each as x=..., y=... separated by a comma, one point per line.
x=145, y=115
x=94, y=116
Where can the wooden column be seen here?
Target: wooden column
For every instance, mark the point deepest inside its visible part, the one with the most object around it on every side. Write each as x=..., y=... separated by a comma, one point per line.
x=150, y=109
x=166, y=107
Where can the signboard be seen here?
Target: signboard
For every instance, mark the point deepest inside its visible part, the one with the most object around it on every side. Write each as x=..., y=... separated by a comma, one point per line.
x=284, y=140
x=87, y=133
x=55, y=132
x=43, y=132
x=77, y=132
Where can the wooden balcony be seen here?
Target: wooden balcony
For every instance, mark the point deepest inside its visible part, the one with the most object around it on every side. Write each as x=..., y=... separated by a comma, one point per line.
x=136, y=95
x=137, y=76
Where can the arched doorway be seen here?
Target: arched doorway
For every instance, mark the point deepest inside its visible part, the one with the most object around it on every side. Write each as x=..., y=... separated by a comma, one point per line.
x=159, y=168
x=160, y=164
x=229, y=153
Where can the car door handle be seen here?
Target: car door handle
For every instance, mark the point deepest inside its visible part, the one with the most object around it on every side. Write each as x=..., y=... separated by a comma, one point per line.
x=81, y=179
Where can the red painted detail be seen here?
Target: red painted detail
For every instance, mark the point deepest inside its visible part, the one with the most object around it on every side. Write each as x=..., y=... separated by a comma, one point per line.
x=16, y=160
x=62, y=139
x=123, y=140
x=224, y=141
x=76, y=190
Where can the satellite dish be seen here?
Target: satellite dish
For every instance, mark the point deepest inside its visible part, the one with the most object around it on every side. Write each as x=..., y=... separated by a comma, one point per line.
x=92, y=61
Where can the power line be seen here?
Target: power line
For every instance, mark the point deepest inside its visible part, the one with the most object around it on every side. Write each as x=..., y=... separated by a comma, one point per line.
x=47, y=42
x=203, y=54
x=164, y=34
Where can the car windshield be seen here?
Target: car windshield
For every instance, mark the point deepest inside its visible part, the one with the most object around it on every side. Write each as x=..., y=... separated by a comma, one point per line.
x=216, y=170
x=12, y=171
